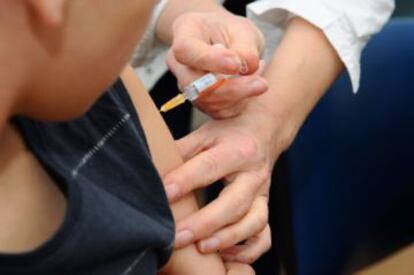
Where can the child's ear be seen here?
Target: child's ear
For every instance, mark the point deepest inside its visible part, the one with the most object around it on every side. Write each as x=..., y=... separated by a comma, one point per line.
x=49, y=12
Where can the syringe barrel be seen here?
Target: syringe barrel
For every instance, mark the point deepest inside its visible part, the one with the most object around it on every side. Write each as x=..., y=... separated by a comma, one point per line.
x=204, y=83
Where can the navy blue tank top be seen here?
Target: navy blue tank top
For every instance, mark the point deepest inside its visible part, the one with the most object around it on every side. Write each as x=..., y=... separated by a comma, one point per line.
x=118, y=220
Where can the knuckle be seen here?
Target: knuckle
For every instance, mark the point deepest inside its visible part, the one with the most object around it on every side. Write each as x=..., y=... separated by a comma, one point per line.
x=259, y=178
x=261, y=220
x=248, y=148
x=249, y=258
x=179, y=48
x=210, y=163
x=263, y=175
x=206, y=225
x=239, y=206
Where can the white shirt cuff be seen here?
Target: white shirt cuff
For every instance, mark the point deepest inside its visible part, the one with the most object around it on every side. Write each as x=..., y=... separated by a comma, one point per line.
x=336, y=28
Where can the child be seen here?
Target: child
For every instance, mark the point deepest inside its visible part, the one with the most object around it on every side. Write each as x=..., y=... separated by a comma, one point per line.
x=82, y=197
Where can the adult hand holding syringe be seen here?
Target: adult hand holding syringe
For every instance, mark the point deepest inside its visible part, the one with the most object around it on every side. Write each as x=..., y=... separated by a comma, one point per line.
x=216, y=94
x=192, y=92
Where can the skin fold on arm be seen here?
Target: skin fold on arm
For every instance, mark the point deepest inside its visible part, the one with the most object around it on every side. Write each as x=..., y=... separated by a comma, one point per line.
x=166, y=157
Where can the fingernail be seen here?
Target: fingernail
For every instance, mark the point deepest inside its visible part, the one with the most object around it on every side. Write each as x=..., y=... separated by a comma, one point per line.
x=231, y=63
x=244, y=69
x=210, y=245
x=172, y=191
x=183, y=238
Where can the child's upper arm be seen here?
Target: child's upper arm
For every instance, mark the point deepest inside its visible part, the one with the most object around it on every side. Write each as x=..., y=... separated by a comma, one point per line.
x=166, y=157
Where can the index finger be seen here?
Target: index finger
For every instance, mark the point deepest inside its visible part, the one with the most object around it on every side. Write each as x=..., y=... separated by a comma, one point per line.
x=231, y=206
x=192, y=47
x=202, y=170
x=192, y=51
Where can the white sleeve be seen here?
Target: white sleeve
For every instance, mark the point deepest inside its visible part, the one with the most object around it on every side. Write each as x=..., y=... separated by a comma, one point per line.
x=348, y=25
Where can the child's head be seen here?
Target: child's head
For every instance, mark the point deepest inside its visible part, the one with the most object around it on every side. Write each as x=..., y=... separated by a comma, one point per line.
x=57, y=56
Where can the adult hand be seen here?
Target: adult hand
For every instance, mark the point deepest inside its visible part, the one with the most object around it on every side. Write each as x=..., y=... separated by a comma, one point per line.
x=240, y=151
x=194, y=52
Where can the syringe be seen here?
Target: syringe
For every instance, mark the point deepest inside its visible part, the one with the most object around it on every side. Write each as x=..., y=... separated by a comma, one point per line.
x=204, y=84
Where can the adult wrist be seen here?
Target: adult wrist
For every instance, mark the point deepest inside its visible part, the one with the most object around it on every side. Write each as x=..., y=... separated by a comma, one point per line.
x=300, y=72
x=277, y=130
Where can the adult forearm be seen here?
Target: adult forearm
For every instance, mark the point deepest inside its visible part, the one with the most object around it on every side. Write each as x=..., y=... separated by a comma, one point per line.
x=302, y=69
x=175, y=8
